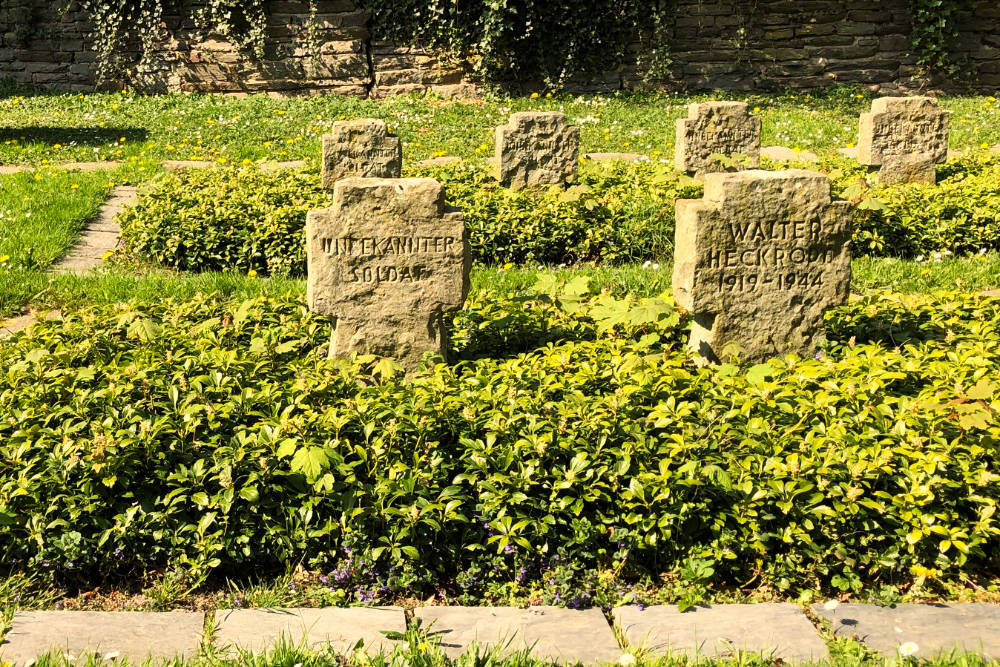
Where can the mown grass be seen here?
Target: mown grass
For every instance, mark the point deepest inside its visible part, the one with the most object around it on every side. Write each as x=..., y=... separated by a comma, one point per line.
x=39, y=127
x=43, y=211
x=115, y=284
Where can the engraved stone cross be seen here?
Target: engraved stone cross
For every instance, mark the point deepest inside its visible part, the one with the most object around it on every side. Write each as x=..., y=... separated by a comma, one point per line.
x=387, y=260
x=726, y=128
x=904, y=137
x=759, y=259
x=360, y=148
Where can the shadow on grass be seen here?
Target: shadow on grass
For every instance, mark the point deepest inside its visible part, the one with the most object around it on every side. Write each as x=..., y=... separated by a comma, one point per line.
x=87, y=136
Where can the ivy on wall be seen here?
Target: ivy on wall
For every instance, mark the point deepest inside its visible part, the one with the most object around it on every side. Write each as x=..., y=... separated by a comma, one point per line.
x=117, y=22
x=934, y=33
x=503, y=40
x=521, y=40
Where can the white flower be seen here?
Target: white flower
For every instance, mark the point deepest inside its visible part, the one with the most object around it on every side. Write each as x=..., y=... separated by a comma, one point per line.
x=983, y=251
x=647, y=264
x=656, y=266
x=937, y=257
x=908, y=649
x=114, y=655
x=947, y=253
x=830, y=605
x=626, y=659
x=920, y=258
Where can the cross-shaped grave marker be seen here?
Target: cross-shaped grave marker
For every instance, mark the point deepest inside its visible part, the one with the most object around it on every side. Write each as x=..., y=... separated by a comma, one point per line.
x=360, y=148
x=387, y=260
x=759, y=259
x=904, y=137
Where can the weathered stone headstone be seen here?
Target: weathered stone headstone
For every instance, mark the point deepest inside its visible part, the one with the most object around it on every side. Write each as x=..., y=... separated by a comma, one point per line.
x=758, y=260
x=726, y=128
x=536, y=148
x=904, y=137
x=360, y=148
x=387, y=260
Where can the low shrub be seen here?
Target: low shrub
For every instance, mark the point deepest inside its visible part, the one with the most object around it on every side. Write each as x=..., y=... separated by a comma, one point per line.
x=960, y=214
x=242, y=219
x=220, y=219
x=214, y=436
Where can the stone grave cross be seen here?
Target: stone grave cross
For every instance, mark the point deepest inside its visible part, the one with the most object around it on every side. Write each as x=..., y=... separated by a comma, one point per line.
x=536, y=148
x=725, y=128
x=904, y=137
x=360, y=148
x=388, y=260
x=758, y=260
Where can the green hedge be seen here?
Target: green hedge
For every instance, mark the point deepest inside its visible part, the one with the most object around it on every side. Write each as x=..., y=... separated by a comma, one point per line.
x=242, y=219
x=960, y=214
x=215, y=436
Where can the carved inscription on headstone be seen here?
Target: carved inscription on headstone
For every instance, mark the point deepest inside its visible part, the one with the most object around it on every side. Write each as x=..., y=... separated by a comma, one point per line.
x=360, y=148
x=904, y=137
x=725, y=128
x=387, y=260
x=536, y=148
x=759, y=259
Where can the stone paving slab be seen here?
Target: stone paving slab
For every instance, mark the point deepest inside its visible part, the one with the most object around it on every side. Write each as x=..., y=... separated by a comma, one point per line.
x=600, y=157
x=439, y=161
x=260, y=629
x=785, y=153
x=174, y=165
x=551, y=633
x=100, y=236
x=278, y=166
x=88, y=166
x=934, y=628
x=10, y=327
x=772, y=629
x=132, y=634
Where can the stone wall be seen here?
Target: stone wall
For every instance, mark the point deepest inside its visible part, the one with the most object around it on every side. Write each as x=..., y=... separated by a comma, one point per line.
x=729, y=44
x=814, y=43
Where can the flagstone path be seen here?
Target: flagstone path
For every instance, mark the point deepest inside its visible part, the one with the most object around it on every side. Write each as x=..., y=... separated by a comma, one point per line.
x=99, y=237
x=777, y=631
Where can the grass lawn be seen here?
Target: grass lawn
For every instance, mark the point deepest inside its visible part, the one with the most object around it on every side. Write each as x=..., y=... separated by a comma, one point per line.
x=41, y=127
x=43, y=291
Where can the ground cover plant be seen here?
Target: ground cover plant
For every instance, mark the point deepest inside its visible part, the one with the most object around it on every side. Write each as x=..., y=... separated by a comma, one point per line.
x=617, y=212
x=577, y=431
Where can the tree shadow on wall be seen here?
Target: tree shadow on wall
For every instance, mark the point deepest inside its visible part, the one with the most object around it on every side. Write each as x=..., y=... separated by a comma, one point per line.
x=67, y=136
